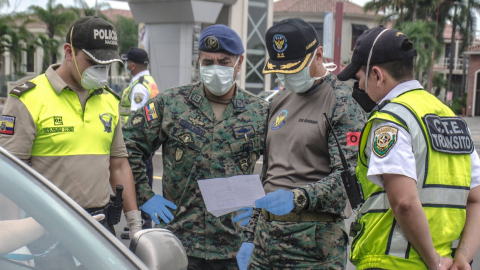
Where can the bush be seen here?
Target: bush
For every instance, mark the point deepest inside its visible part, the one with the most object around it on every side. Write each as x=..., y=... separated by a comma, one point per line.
x=457, y=104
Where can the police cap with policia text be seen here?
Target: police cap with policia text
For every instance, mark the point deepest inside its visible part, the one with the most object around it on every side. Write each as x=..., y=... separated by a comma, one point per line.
x=290, y=45
x=388, y=48
x=220, y=38
x=95, y=37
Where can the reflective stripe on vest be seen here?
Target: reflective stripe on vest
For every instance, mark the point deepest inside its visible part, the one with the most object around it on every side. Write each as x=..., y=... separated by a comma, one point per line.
x=443, y=190
x=126, y=104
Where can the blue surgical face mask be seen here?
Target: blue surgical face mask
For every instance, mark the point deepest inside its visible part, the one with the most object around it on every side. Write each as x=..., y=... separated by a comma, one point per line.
x=218, y=79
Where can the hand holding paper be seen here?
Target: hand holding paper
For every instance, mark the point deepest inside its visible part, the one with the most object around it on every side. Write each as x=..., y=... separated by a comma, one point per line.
x=225, y=195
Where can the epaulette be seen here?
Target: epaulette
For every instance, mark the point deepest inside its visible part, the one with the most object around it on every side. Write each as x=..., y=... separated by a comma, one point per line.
x=115, y=94
x=20, y=89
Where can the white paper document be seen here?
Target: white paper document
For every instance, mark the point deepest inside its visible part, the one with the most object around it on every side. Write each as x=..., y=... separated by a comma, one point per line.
x=225, y=195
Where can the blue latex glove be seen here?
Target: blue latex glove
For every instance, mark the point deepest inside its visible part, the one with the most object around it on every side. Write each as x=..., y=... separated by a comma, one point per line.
x=245, y=215
x=157, y=207
x=244, y=254
x=279, y=202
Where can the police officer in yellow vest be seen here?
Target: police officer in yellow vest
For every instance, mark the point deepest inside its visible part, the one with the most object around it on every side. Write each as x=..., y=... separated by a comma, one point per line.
x=142, y=86
x=65, y=123
x=417, y=165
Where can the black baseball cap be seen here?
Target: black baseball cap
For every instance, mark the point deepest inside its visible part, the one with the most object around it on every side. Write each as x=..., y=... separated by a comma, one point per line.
x=290, y=45
x=220, y=38
x=388, y=48
x=97, y=38
x=136, y=55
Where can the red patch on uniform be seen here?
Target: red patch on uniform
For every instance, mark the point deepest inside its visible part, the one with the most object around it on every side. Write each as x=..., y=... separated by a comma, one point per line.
x=353, y=138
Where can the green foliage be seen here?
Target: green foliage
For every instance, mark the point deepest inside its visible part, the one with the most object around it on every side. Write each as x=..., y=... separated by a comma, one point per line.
x=421, y=34
x=457, y=104
x=82, y=9
x=127, y=33
x=438, y=83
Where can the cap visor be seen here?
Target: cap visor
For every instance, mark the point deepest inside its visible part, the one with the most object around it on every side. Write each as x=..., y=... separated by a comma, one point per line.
x=124, y=57
x=286, y=66
x=349, y=72
x=103, y=57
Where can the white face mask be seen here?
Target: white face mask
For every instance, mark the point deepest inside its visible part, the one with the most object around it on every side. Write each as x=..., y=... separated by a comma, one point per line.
x=218, y=79
x=128, y=71
x=299, y=82
x=95, y=77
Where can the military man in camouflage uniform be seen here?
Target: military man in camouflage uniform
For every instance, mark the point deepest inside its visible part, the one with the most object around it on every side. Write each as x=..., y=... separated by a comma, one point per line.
x=208, y=129
x=299, y=223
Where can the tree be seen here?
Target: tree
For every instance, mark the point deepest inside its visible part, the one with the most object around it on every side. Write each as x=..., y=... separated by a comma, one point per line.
x=421, y=34
x=127, y=33
x=50, y=47
x=57, y=18
x=83, y=9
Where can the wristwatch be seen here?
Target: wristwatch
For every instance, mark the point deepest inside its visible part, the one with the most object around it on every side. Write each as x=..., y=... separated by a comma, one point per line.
x=299, y=199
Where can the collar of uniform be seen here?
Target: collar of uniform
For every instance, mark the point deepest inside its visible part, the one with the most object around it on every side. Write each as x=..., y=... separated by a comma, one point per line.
x=198, y=97
x=55, y=80
x=140, y=74
x=400, y=89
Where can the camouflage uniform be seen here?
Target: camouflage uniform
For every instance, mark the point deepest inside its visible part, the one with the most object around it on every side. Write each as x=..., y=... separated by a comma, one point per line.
x=196, y=146
x=312, y=245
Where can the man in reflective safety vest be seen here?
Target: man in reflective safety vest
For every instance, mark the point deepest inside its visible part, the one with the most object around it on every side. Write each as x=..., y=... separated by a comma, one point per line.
x=417, y=165
x=142, y=88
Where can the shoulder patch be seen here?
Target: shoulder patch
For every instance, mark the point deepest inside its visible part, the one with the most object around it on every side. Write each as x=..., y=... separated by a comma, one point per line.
x=20, y=89
x=115, y=94
x=7, y=124
x=384, y=139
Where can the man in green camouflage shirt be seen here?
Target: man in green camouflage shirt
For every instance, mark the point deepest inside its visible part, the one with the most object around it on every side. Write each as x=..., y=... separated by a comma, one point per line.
x=208, y=129
x=299, y=223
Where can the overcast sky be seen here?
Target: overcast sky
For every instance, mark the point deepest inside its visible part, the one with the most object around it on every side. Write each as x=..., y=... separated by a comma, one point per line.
x=22, y=5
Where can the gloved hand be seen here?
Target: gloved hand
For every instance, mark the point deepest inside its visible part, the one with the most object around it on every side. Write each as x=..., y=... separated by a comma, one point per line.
x=279, y=202
x=245, y=215
x=244, y=254
x=157, y=207
x=134, y=222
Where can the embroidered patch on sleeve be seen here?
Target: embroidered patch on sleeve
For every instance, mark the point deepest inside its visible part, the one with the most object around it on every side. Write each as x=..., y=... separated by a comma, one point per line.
x=138, y=97
x=7, y=124
x=150, y=112
x=384, y=139
x=353, y=138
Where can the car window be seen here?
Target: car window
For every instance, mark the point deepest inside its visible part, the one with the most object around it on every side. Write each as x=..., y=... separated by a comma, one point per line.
x=43, y=231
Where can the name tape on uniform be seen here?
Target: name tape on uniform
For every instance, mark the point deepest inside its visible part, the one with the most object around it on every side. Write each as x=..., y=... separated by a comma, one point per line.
x=448, y=134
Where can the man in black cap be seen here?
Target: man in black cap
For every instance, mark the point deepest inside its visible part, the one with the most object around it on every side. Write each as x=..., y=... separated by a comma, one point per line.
x=418, y=167
x=299, y=223
x=208, y=129
x=142, y=88
x=65, y=123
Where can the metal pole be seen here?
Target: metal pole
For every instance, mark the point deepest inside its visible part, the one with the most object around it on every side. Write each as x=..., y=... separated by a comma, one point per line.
x=452, y=47
x=430, y=87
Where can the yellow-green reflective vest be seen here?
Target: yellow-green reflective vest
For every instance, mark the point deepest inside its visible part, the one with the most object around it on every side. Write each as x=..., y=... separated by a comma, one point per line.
x=441, y=146
x=125, y=103
x=64, y=128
